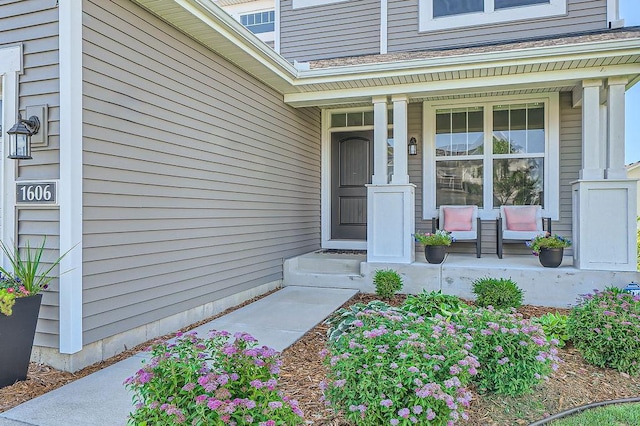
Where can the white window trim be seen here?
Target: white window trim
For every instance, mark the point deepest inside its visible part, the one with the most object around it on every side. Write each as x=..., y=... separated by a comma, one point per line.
x=299, y=4
x=551, y=157
x=426, y=21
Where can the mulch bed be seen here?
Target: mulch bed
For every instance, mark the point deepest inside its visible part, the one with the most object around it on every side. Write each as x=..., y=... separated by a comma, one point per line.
x=575, y=383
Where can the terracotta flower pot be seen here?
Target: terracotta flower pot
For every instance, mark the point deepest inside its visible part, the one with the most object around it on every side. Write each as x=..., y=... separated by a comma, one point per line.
x=16, y=339
x=435, y=254
x=551, y=257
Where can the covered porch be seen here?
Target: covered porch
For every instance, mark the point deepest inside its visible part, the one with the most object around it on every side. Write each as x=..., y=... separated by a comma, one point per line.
x=426, y=129
x=556, y=287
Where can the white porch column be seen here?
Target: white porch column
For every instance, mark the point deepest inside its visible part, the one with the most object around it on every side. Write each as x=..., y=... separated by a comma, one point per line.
x=400, y=157
x=390, y=223
x=604, y=208
x=615, y=130
x=592, y=162
x=380, y=136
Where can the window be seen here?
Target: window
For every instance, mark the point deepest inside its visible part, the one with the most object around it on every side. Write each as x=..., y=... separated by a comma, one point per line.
x=260, y=22
x=456, y=7
x=459, y=145
x=518, y=154
x=447, y=14
x=493, y=154
x=503, y=4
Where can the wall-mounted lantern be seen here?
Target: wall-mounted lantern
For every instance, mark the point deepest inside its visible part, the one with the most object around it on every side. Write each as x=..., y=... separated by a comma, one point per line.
x=413, y=146
x=20, y=137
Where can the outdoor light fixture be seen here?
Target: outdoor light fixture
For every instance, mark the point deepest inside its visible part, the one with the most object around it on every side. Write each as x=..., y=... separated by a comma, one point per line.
x=20, y=137
x=413, y=146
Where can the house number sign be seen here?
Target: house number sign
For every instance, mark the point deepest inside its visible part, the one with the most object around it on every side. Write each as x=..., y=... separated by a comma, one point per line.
x=36, y=193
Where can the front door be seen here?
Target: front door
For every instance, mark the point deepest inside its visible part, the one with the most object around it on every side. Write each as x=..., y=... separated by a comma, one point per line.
x=351, y=164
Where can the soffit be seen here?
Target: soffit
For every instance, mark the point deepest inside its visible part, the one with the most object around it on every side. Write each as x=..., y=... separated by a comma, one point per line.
x=209, y=25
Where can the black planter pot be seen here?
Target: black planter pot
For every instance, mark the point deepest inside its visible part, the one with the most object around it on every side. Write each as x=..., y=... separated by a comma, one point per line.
x=16, y=339
x=551, y=257
x=435, y=254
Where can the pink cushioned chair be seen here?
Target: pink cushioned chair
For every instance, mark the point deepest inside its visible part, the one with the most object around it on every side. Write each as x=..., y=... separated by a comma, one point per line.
x=462, y=221
x=520, y=223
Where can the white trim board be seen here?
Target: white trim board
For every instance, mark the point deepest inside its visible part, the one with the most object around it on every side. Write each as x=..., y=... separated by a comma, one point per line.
x=10, y=68
x=70, y=191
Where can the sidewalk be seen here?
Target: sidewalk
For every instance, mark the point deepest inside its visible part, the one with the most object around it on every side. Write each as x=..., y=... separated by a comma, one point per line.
x=277, y=320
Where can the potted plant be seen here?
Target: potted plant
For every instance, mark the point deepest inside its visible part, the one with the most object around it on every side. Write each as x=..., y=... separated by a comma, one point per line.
x=435, y=244
x=20, y=296
x=549, y=248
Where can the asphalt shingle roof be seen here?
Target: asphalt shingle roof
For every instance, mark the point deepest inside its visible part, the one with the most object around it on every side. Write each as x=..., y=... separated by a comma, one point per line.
x=578, y=38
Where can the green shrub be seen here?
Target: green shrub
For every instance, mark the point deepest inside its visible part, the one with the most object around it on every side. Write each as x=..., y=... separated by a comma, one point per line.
x=554, y=326
x=342, y=321
x=210, y=381
x=500, y=293
x=434, y=303
x=514, y=354
x=388, y=282
x=605, y=327
x=400, y=370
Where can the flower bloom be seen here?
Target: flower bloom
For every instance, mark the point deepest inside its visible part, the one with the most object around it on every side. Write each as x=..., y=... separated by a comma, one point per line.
x=386, y=403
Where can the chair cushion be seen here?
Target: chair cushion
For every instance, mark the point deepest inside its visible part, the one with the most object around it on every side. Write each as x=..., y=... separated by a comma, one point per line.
x=458, y=218
x=521, y=218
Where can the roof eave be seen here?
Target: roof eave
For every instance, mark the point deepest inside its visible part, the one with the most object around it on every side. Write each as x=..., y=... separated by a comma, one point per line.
x=229, y=39
x=528, y=56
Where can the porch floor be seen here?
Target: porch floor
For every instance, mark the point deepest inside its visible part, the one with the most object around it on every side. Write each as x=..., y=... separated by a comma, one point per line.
x=559, y=287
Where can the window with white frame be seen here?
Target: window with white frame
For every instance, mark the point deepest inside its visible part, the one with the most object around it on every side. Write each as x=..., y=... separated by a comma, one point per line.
x=259, y=22
x=447, y=14
x=492, y=154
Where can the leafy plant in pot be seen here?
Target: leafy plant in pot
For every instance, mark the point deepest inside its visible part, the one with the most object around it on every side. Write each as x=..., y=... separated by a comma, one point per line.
x=435, y=244
x=549, y=248
x=20, y=297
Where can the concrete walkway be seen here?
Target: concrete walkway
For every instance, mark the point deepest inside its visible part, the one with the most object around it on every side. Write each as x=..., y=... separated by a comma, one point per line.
x=277, y=320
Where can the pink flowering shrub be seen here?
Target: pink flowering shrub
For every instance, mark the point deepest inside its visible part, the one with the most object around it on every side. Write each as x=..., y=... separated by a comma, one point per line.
x=514, y=353
x=214, y=381
x=605, y=327
x=400, y=369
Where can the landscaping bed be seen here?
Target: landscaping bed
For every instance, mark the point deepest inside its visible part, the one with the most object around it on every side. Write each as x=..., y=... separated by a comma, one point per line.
x=575, y=383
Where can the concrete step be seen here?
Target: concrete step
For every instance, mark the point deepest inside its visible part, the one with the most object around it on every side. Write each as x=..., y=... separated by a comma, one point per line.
x=326, y=270
x=327, y=263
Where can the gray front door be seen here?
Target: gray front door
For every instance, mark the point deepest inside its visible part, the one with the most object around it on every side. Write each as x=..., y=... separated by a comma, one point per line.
x=351, y=164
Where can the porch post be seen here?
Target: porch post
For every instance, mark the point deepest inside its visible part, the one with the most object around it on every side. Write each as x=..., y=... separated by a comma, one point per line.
x=604, y=206
x=380, y=136
x=592, y=167
x=615, y=130
x=390, y=206
x=400, y=157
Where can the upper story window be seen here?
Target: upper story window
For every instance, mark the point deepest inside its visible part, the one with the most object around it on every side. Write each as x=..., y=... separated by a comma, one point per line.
x=259, y=22
x=448, y=14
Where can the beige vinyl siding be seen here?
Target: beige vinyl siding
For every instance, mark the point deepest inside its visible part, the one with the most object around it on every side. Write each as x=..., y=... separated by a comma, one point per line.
x=34, y=225
x=34, y=24
x=403, y=34
x=570, y=160
x=339, y=29
x=198, y=179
